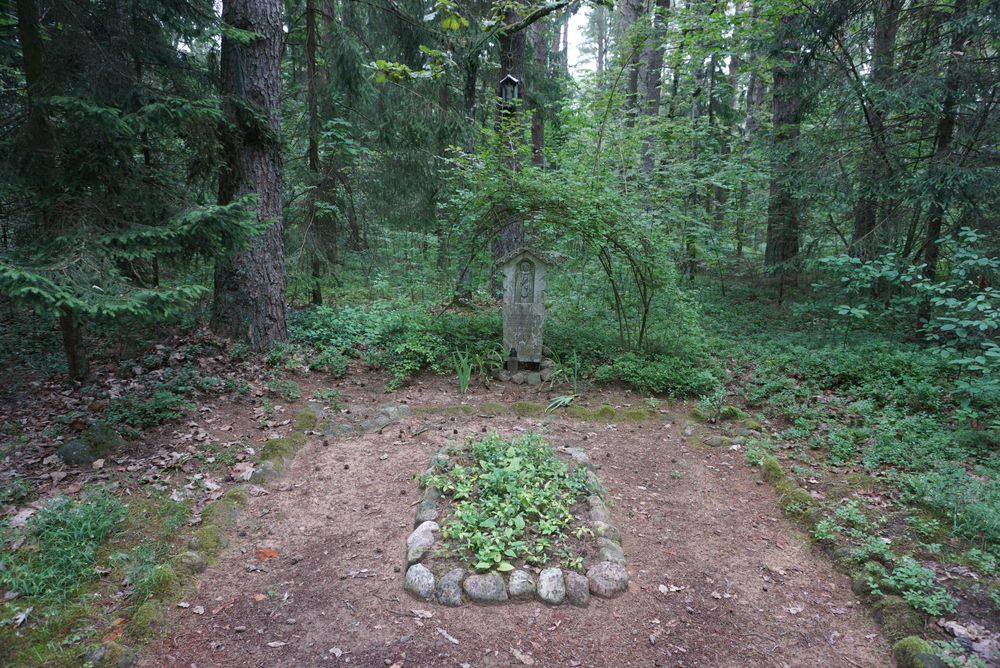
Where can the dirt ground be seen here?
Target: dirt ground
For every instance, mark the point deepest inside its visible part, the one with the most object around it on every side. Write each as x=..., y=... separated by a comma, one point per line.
x=742, y=585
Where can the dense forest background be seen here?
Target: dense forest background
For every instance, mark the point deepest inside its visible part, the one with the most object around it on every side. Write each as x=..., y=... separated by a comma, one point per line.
x=783, y=208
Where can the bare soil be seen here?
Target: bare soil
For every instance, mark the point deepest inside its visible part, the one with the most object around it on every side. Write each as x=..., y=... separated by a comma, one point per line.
x=741, y=584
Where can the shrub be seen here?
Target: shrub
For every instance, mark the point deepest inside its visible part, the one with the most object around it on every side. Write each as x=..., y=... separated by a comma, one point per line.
x=672, y=376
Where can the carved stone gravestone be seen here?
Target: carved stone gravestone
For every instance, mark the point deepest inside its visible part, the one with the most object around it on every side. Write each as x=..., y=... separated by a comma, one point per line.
x=523, y=304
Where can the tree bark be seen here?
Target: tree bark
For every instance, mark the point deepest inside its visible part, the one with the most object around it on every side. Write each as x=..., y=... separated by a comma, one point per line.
x=538, y=43
x=867, y=240
x=250, y=284
x=631, y=10
x=654, y=81
x=783, y=206
x=944, y=132
x=313, y=150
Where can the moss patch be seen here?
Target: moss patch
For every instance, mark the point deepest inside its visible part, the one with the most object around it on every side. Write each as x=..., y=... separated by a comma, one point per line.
x=278, y=449
x=897, y=619
x=223, y=512
x=147, y=620
x=638, y=415
x=771, y=469
x=307, y=418
x=209, y=540
x=730, y=413
x=527, y=409
x=915, y=652
x=492, y=408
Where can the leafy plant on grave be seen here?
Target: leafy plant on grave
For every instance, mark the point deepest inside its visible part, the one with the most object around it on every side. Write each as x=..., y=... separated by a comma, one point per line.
x=512, y=500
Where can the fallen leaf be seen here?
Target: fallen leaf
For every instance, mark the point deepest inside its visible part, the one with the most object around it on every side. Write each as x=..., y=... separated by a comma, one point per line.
x=259, y=597
x=336, y=651
x=266, y=553
x=22, y=516
x=795, y=609
x=423, y=614
x=97, y=464
x=276, y=643
x=198, y=610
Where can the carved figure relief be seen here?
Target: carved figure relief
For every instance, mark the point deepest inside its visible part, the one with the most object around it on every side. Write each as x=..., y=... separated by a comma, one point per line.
x=525, y=289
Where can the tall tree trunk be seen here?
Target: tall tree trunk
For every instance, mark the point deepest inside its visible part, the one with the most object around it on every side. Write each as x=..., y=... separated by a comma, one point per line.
x=250, y=283
x=751, y=128
x=512, y=53
x=866, y=240
x=783, y=206
x=631, y=10
x=41, y=169
x=601, y=37
x=654, y=81
x=537, y=104
x=942, y=142
x=313, y=150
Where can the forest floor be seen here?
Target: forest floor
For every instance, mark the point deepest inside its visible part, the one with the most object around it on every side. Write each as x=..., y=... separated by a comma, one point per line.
x=313, y=572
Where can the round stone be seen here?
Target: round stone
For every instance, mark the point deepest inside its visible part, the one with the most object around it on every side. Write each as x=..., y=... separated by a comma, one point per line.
x=551, y=587
x=419, y=582
x=605, y=530
x=598, y=511
x=521, y=584
x=190, y=562
x=610, y=551
x=420, y=541
x=577, y=588
x=486, y=588
x=607, y=579
x=449, y=588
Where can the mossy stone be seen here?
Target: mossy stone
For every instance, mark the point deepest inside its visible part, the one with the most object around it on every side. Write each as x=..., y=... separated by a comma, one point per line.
x=730, y=413
x=915, y=652
x=752, y=424
x=306, y=419
x=605, y=412
x=897, y=618
x=189, y=562
x=209, y=540
x=162, y=580
x=223, y=512
x=795, y=500
x=112, y=655
x=699, y=415
x=771, y=469
x=872, y=572
x=147, y=620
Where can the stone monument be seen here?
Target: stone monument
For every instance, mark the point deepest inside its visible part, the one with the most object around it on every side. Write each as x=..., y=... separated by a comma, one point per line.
x=523, y=306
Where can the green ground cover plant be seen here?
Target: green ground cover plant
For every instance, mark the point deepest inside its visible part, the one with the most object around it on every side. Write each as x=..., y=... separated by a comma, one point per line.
x=511, y=502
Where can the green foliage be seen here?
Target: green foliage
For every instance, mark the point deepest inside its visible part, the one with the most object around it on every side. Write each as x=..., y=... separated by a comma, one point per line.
x=671, y=376
x=162, y=401
x=463, y=363
x=286, y=389
x=511, y=501
x=919, y=587
x=61, y=544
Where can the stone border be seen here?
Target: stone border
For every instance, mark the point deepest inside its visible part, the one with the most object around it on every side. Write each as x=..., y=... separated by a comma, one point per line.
x=606, y=578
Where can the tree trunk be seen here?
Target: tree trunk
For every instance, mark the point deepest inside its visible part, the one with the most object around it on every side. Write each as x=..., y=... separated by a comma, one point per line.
x=41, y=169
x=942, y=142
x=654, y=81
x=250, y=283
x=631, y=10
x=313, y=150
x=783, y=206
x=867, y=240
x=512, y=52
x=537, y=104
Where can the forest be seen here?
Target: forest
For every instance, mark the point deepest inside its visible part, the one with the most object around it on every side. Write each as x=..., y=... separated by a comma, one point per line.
x=676, y=322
